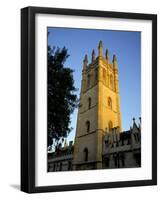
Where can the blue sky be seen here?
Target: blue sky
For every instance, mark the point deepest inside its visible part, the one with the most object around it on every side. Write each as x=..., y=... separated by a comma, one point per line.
x=127, y=47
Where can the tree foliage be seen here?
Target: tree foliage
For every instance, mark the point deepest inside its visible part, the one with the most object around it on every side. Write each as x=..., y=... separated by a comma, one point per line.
x=61, y=96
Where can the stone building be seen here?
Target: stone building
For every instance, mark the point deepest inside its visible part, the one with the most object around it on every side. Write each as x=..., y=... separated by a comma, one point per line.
x=122, y=150
x=99, y=141
x=61, y=160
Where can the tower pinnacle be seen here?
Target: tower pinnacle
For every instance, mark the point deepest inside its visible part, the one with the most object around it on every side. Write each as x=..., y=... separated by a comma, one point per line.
x=93, y=56
x=85, y=62
x=100, y=48
x=115, y=62
x=106, y=54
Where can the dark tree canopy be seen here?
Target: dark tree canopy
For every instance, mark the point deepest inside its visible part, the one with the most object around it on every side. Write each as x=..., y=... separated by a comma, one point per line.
x=61, y=96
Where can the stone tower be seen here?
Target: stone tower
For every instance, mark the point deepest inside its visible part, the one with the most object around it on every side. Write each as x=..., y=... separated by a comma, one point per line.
x=99, y=109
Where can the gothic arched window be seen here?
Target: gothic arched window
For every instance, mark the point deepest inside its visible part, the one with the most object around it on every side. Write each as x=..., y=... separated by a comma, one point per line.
x=104, y=74
x=110, y=102
x=85, y=154
x=111, y=81
x=88, y=80
x=110, y=125
x=88, y=126
x=89, y=103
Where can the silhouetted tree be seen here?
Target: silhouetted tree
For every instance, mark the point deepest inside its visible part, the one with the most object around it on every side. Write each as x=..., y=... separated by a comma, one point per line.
x=61, y=96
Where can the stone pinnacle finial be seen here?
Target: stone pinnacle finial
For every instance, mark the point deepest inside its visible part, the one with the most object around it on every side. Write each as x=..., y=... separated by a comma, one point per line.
x=115, y=62
x=106, y=54
x=93, y=56
x=114, y=58
x=86, y=58
x=100, y=44
x=134, y=123
x=140, y=119
x=85, y=62
x=100, y=48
